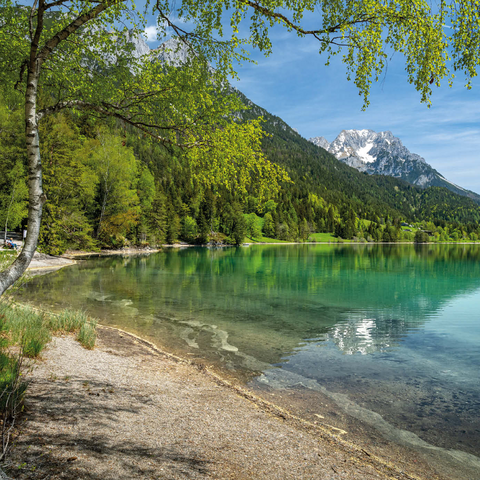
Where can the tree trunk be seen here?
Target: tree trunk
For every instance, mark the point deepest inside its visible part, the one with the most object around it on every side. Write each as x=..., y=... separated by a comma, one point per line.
x=36, y=197
x=8, y=214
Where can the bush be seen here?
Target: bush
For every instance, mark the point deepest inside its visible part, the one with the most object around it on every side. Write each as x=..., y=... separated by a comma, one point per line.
x=420, y=237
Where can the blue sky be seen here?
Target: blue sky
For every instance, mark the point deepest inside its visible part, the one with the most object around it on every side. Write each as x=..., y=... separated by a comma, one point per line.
x=294, y=84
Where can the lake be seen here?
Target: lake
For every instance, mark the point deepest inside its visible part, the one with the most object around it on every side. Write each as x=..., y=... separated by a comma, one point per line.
x=380, y=340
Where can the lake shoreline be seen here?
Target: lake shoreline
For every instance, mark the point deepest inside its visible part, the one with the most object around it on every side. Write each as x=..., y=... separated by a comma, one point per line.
x=51, y=262
x=44, y=263
x=330, y=415
x=84, y=407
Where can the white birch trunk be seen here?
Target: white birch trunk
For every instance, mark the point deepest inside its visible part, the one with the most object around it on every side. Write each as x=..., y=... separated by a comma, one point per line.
x=36, y=197
x=8, y=214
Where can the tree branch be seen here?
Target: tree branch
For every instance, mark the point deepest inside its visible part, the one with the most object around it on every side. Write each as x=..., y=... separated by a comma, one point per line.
x=72, y=28
x=54, y=4
x=30, y=19
x=362, y=18
x=183, y=35
x=105, y=111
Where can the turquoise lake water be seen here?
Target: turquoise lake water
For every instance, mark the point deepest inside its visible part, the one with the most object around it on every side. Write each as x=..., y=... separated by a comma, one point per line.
x=389, y=334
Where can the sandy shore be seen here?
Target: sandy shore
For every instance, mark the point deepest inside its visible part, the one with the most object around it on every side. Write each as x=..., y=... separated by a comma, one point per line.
x=126, y=410
x=48, y=262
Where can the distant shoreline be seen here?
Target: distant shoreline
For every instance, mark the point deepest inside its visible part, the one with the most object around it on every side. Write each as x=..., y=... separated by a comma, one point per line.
x=48, y=263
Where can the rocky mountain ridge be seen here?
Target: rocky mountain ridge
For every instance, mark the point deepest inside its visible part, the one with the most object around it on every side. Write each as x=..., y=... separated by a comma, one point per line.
x=384, y=154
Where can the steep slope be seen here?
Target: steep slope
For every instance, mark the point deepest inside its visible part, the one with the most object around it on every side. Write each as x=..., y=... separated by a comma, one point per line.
x=314, y=171
x=384, y=154
x=317, y=171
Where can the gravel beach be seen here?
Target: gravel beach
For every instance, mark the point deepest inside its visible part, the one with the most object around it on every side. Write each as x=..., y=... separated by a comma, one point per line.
x=126, y=410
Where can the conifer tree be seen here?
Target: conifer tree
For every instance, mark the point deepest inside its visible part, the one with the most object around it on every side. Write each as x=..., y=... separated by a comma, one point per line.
x=156, y=219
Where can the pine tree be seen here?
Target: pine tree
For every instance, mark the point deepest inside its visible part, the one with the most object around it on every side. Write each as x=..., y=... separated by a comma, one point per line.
x=156, y=219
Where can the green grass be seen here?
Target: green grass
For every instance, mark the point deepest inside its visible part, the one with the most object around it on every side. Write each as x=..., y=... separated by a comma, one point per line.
x=325, y=237
x=263, y=240
x=67, y=321
x=87, y=335
x=32, y=330
x=12, y=387
x=25, y=327
x=314, y=237
x=6, y=258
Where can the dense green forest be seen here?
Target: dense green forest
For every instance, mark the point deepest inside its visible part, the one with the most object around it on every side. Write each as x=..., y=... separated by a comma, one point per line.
x=108, y=186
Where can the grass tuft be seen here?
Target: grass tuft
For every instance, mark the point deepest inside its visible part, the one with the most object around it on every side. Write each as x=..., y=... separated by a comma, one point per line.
x=32, y=330
x=87, y=334
x=68, y=321
x=26, y=328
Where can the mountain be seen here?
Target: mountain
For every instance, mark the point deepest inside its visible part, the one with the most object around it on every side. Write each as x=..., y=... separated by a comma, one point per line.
x=320, y=142
x=383, y=154
x=318, y=174
x=173, y=52
x=315, y=171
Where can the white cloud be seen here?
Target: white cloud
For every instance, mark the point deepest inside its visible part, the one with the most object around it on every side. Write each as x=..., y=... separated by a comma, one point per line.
x=151, y=33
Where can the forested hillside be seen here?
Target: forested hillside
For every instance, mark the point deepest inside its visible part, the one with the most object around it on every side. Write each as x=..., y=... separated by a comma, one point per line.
x=108, y=186
x=317, y=171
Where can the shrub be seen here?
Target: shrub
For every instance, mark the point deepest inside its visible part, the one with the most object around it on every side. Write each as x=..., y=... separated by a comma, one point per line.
x=420, y=237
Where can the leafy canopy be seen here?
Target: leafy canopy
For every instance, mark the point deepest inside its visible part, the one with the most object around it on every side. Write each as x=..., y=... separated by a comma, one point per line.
x=87, y=59
x=436, y=39
x=84, y=61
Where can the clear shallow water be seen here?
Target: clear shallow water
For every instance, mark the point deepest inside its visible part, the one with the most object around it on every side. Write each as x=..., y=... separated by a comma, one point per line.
x=390, y=334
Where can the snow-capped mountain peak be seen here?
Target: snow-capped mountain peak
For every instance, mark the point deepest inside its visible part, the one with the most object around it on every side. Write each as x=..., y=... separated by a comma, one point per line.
x=361, y=148
x=321, y=142
x=384, y=154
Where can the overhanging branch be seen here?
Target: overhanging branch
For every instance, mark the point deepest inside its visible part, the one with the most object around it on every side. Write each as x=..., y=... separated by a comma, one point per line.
x=73, y=27
x=115, y=112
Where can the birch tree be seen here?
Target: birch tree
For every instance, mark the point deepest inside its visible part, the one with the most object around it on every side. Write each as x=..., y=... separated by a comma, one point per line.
x=73, y=54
